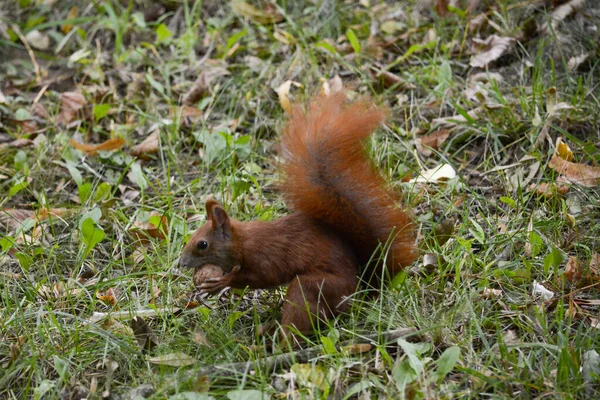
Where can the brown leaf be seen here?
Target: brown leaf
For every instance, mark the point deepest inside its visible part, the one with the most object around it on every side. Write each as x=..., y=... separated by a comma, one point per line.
x=93, y=149
x=441, y=7
x=332, y=85
x=148, y=146
x=444, y=231
x=39, y=111
x=387, y=78
x=15, y=217
x=489, y=293
x=199, y=337
x=266, y=16
x=137, y=86
x=70, y=104
x=18, y=143
x=432, y=141
x=188, y=115
x=560, y=13
x=573, y=272
x=550, y=190
x=577, y=274
x=201, y=86
x=142, y=230
x=27, y=126
x=595, y=263
x=582, y=174
x=490, y=49
x=144, y=334
x=15, y=348
x=108, y=297
x=198, y=90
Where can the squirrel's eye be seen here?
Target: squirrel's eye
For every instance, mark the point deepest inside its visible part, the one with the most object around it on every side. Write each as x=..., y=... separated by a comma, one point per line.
x=202, y=245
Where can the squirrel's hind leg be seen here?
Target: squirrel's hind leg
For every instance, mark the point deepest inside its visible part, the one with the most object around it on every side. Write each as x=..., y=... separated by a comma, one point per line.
x=315, y=297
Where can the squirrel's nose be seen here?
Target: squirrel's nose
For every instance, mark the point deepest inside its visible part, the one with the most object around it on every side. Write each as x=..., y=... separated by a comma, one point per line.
x=183, y=261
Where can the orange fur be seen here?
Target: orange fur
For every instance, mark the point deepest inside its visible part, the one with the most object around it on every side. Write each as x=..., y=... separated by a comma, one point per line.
x=343, y=213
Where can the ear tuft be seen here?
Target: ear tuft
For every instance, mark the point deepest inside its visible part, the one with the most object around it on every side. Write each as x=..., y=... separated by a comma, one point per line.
x=210, y=205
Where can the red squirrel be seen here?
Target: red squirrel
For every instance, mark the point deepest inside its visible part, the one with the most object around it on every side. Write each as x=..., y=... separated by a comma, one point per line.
x=343, y=212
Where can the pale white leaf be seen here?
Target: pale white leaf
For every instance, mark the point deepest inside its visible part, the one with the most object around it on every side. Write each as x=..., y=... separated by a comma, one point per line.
x=440, y=173
x=540, y=290
x=177, y=359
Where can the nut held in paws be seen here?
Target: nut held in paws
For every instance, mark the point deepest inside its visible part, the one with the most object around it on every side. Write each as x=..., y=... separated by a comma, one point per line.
x=205, y=272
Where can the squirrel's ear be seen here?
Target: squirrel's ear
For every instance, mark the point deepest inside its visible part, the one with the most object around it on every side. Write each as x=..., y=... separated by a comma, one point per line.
x=218, y=216
x=210, y=204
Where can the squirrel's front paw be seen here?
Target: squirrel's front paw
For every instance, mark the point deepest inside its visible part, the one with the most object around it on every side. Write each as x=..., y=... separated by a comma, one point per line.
x=214, y=285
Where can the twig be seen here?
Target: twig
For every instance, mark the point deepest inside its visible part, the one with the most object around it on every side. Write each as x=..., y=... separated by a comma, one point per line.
x=36, y=67
x=273, y=363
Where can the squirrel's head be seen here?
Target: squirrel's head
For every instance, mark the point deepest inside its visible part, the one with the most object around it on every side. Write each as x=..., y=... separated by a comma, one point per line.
x=212, y=243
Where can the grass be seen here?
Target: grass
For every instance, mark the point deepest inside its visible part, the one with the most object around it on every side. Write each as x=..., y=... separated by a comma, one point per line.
x=485, y=228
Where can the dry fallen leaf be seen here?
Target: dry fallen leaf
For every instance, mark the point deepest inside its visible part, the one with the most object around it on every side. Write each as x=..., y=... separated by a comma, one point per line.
x=579, y=275
x=563, y=150
x=267, y=15
x=39, y=111
x=199, y=337
x=70, y=104
x=15, y=217
x=188, y=116
x=490, y=49
x=559, y=14
x=441, y=7
x=283, y=91
x=148, y=146
x=550, y=190
x=458, y=119
x=332, y=85
x=575, y=62
x=433, y=141
x=489, y=293
x=442, y=172
x=38, y=40
x=387, y=78
x=144, y=334
x=142, y=230
x=573, y=272
x=201, y=86
x=73, y=13
x=177, y=359
x=595, y=263
x=541, y=291
x=582, y=174
x=93, y=149
x=356, y=348
x=109, y=297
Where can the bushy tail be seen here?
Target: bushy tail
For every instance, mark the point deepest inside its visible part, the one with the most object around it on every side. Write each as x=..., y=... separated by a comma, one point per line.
x=329, y=176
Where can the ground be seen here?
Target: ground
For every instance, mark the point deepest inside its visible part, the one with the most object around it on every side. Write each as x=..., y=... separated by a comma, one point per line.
x=118, y=120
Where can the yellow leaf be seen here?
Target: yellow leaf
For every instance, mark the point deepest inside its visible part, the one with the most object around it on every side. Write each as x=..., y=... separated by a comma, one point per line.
x=563, y=150
x=283, y=91
x=92, y=149
x=73, y=13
